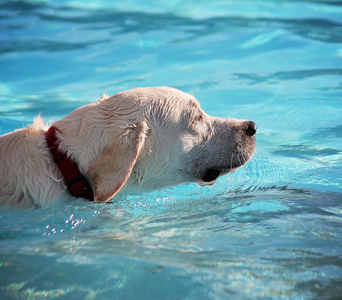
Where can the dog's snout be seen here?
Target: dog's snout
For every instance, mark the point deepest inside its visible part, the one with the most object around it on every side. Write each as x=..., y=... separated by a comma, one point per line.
x=251, y=128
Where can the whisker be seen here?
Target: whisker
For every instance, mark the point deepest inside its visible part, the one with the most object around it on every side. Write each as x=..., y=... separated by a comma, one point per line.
x=245, y=159
x=238, y=155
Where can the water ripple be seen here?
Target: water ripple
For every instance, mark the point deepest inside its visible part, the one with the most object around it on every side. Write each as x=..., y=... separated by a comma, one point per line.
x=272, y=78
x=114, y=22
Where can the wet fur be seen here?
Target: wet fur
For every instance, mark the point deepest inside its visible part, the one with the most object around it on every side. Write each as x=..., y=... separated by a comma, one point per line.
x=138, y=140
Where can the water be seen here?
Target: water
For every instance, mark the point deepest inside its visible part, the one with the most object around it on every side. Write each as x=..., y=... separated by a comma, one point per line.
x=271, y=230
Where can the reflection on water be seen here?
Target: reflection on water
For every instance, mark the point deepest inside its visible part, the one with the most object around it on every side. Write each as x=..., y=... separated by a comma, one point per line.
x=291, y=75
x=116, y=23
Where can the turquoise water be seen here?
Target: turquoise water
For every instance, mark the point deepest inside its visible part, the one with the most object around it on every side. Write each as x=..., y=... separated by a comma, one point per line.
x=271, y=230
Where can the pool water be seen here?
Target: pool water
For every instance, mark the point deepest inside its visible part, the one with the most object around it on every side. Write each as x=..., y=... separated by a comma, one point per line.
x=271, y=230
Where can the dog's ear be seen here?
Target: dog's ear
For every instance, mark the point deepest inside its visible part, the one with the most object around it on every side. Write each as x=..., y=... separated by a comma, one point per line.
x=110, y=171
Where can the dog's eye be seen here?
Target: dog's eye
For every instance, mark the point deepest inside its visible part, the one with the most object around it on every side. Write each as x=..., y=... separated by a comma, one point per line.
x=197, y=119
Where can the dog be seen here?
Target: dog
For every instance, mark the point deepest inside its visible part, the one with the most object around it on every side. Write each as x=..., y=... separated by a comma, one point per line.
x=136, y=141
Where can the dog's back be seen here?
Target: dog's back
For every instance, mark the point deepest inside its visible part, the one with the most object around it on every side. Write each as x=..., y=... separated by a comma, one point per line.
x=27, y=176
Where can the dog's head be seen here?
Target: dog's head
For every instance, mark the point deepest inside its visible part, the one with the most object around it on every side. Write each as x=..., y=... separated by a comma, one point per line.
x=152, y=138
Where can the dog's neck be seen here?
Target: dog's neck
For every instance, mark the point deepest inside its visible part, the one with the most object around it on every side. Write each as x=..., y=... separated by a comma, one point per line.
x=75, y=182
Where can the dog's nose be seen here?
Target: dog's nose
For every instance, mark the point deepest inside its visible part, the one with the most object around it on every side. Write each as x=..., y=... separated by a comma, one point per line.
x=251, y=128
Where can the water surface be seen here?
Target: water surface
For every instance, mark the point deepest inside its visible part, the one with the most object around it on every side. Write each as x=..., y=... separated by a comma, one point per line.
x=271, y=230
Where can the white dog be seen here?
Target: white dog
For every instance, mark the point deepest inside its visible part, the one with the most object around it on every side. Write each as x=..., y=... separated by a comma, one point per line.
x=138, y=140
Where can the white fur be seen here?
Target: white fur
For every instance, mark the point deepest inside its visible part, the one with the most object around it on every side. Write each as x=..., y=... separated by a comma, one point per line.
x=138, y=140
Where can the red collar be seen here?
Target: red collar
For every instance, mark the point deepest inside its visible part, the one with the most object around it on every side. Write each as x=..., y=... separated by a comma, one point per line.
x=75, y=182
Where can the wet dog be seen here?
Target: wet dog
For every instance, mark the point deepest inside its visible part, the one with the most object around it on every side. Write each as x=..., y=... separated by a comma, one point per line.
x=137, y=140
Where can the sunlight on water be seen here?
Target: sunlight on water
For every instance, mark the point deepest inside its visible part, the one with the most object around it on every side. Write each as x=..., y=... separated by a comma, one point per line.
x=271, y=230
